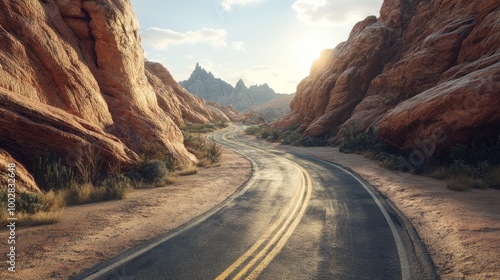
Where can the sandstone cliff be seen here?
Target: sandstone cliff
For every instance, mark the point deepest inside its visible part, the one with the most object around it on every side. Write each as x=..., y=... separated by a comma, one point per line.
x=73, y=75
x=422, y=71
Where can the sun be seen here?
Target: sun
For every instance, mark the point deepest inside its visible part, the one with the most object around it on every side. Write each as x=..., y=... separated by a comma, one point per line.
x=308, y=49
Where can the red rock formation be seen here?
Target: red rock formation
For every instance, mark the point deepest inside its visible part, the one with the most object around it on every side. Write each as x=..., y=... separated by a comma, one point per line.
x=23, y=179
x=423, y=69
x=72, y=75
x=176, y=101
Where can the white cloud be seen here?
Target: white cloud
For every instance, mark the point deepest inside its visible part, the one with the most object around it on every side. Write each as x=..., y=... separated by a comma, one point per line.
x=161, y=38
x=324, y=12
x=228, y=4
x=239, y=45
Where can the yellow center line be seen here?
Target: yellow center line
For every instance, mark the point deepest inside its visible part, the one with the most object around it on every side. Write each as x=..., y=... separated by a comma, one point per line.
x=244, y=257
x=275, y=237
x=279, y=237
x=258, y=270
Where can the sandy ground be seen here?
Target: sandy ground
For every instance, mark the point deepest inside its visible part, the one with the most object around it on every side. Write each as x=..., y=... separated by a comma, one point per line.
x=90, y=234
x=460, y=229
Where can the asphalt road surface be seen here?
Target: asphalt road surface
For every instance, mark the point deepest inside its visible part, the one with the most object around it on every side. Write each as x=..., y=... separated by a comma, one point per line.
x=296, y=218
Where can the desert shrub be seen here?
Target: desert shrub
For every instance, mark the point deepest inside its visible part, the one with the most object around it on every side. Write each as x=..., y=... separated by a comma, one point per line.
x=116, y=187
x=252, y=130
x=354, y=140
x=153, y=171
x=156, y=151
x=50, y=173
x=463, y=183
x=28, y=202
x=53, y=201
x=187, y=171
x=207, y=152
x=291, y=137
x=483, y=170
x=89, y=165
x=214, y=152
x=265, y=132
x=389, y=161
x=83, y=193
x=39, y=218
x=203, y=127
x=34, y=208
x=440, y=172
x=308, y=141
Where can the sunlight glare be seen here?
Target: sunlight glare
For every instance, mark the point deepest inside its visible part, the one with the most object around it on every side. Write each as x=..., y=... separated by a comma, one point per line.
x=308, y=49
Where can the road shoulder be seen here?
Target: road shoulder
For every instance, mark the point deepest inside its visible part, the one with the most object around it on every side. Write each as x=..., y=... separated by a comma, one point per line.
x=460, y=229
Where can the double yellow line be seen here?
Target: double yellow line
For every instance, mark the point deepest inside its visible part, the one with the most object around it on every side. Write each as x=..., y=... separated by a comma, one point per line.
x=251, y=264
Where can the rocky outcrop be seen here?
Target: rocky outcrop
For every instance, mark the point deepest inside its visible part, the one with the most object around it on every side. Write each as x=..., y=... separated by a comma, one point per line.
x=228, y=111
x=24, y=182
x=273, y=110
x=179, y=104
x=422, y=71
x=73, y=76
x=204, y=85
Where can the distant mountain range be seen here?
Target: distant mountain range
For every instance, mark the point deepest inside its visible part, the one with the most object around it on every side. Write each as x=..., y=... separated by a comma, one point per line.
x=204, y=85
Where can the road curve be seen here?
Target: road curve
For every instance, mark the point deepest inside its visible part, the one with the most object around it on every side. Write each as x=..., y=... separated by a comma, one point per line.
x=296, y=218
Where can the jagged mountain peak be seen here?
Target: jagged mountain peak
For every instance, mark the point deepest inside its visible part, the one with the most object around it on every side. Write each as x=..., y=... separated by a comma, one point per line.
x=240, y=85
x=241, y=97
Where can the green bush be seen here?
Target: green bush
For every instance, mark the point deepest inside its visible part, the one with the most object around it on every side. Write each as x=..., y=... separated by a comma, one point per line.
x=116, y=187
x=28, y=202
x=50, y=173
x=389, y=161
x=483, y=170
x=214, y=152
x=203, y=127
x=153, y=171
x=291, y=137
x=308, y=141
x=354, y=140
x=252, y=130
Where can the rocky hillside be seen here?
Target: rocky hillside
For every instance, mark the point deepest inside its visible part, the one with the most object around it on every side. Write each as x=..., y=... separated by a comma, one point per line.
x=204, y=85
x=73, y=76
x=273, y=110
x=423, y=72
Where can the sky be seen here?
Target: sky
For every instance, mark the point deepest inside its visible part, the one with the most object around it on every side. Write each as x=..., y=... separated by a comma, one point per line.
x=259, y=41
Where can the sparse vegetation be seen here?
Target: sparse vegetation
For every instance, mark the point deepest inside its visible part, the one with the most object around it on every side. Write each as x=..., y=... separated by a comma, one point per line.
x=90, y=181
x=203, y=128
x=207, y=152
x=187, y=171
x=51, y=174
x=463, y=168
x=286, y=137
x=35, y=209
x=356, y=141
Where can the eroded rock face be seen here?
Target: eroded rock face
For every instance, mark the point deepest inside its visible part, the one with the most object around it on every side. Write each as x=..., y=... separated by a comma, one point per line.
x=24, y=182
x=176, y=101
x=423, y=69
x=73, y=75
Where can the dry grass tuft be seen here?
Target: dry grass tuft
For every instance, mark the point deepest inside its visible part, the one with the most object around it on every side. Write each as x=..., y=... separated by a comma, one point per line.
x=188, y=170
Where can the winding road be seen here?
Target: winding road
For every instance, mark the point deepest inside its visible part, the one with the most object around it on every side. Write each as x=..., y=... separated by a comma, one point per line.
x=295, y=218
